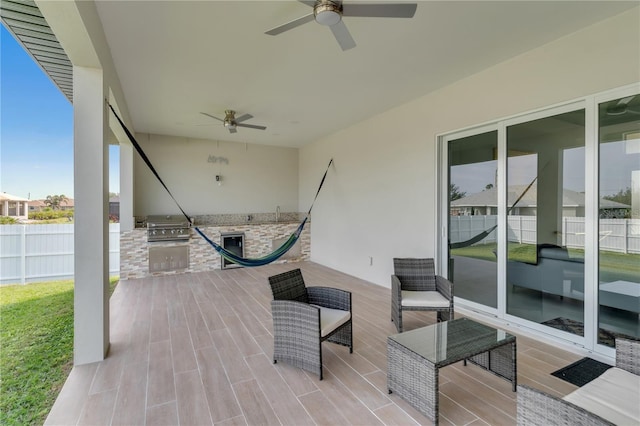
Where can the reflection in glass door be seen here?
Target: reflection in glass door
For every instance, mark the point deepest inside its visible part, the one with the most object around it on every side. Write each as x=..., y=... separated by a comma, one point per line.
x=545, y=221
x=619, y=219
x=473, y=217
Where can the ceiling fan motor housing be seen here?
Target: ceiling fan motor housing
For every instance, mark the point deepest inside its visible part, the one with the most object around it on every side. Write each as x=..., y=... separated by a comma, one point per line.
x=230, y=119
x=327, y=12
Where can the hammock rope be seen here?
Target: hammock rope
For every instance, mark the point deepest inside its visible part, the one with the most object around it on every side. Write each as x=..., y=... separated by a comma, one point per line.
x=230, y=256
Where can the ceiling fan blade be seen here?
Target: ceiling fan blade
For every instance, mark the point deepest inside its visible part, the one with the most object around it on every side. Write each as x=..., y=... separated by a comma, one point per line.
x=341, y=33
x=209, y=115
x=244, y=117
x=232, y=130
x=625, y=101
x=390, y=10
x=310, y=3
x=291, y=25
x=621, y=107
x=251, y=126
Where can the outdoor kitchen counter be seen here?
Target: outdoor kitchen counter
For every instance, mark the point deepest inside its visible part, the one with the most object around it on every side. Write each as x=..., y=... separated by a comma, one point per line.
x=248, y=219
x=251, y=223
x=237, y=219
x=261, y=237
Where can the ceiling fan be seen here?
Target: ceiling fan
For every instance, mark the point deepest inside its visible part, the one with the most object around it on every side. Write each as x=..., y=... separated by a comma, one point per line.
x=330, y=12
x=622, y=107
x=231, y=122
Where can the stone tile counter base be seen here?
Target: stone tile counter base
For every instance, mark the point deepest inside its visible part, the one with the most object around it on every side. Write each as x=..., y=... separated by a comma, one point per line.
x=258, y=237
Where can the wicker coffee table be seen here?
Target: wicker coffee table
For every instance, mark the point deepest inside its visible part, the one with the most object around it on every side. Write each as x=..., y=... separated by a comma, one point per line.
x=414, y=358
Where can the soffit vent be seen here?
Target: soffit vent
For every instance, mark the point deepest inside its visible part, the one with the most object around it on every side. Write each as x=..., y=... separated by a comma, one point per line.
x=24, y=20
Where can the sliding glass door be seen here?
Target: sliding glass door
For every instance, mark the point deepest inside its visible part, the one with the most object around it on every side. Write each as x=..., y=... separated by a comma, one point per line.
x=545, y=220
x=542, y=220
x=544, y=214
x=619, y=219
x=473, y=217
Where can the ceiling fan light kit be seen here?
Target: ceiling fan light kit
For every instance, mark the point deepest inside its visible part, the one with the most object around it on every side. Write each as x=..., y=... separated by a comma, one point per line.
x=229, y=120
x=328, y=13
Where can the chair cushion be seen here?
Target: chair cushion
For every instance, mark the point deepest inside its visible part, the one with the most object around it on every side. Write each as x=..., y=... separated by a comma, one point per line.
x=613, y=396
x=330, y=319
x=431, y=299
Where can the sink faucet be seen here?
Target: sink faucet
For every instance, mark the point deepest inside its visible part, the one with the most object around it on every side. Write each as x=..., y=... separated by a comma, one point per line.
x=277, y=213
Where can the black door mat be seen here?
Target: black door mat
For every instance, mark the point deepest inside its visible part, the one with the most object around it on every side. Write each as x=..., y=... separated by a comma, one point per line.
x=582, y=372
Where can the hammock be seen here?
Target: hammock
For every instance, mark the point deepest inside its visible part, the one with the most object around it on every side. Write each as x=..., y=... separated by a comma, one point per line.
x=232, y=257
x=259, y=261
x=477, y=238
x=485, y=233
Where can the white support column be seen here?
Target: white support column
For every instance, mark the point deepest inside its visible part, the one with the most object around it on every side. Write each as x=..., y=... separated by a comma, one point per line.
x=126, y=187
x=549, y=216
x=91, y=193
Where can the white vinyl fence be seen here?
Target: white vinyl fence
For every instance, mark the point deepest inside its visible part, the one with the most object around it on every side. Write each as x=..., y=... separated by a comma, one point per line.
x=618, y=235
x=33, y=253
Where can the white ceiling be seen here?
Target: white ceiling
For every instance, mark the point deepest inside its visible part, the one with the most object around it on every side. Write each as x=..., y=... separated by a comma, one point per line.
x=177, y=58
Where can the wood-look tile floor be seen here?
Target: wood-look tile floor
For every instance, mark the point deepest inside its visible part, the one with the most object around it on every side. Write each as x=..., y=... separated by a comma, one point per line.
x=196, y=349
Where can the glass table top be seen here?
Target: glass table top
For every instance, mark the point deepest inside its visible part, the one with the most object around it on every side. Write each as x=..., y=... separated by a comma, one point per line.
x=455, y=339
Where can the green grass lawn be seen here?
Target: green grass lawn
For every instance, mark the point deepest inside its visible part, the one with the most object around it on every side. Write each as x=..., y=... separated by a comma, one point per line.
x=613, y=266
x=36, y=348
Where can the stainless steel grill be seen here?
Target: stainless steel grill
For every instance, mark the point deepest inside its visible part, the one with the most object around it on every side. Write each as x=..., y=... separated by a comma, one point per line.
x=168, y=228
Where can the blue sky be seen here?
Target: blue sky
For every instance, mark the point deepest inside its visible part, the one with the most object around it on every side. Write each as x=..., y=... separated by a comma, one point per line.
x=36, y=129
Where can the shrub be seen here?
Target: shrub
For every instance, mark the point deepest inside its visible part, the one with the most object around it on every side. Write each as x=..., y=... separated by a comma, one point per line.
x=49, y=214
x=6, y=220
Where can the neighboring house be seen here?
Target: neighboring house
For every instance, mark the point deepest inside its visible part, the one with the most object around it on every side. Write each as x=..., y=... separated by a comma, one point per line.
x=37, y=205
x=485, y=203
x=114, y=207
x=40, y=205
x=13, y=206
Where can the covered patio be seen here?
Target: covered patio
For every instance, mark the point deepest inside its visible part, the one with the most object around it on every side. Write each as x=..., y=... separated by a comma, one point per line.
x=197, y=349
x=191, y=61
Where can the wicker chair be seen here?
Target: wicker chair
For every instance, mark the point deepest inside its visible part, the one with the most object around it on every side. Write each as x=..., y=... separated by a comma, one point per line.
x=304, y=317
x=416, y=287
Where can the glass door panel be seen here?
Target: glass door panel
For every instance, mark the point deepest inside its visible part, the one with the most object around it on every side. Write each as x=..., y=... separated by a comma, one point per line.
x=473, y=217
x=545, y=221
x=619, y=219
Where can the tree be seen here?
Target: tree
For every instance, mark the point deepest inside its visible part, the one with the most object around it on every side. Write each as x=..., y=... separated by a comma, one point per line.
x=55, y=201
x=623, y=196
x=455, y=193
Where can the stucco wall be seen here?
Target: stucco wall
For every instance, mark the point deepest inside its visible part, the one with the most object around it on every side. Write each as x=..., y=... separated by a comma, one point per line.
x=379, y=200
x=255, y=178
